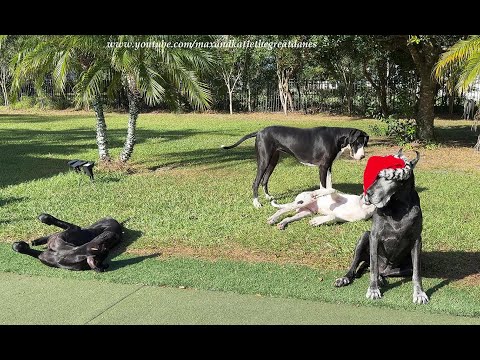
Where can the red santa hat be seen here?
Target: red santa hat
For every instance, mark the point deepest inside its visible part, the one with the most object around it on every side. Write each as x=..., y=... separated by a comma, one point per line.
x=376, y=164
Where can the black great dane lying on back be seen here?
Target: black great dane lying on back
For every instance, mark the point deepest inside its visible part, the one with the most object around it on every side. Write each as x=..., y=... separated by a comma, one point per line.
x=75, y=248
x=318, y=146
x=394, y=244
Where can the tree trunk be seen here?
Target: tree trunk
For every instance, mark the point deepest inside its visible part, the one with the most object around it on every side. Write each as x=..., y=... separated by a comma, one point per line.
x=451, y=102
x=381, y=87
x=425, y=112
x=249, y=95
x=477, y=145
x=382, y=68
x=425, y=55
x=350, y=98
x=3, y=82
x=230, y=99
x=102, y=142
x=133, y=110
x=290, y=101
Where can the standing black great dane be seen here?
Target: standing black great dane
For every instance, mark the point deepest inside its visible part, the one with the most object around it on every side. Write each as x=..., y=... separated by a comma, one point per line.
x=75, y=248
x=318, y=146
x=393, y=246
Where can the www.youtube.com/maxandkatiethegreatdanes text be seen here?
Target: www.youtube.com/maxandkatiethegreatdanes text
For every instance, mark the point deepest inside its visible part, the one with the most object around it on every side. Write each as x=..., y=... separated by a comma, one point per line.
x=210, y=44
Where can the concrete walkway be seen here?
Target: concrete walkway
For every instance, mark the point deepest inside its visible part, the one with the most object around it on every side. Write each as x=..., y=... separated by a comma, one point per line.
x=43, y=300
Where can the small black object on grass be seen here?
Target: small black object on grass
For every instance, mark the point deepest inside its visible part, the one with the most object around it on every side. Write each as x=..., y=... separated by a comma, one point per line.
x=87, y=166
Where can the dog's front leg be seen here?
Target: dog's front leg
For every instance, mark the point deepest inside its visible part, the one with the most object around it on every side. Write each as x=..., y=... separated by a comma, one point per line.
x=300, y=215
x=274, y=218
x=419, y=296
x=323, y=172
x=373, y=291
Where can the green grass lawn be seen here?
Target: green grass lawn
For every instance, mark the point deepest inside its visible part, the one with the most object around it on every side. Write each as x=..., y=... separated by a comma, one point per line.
x=187, y=198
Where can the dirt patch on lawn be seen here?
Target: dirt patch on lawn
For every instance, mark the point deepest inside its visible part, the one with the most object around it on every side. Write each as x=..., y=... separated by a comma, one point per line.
x=236, y=253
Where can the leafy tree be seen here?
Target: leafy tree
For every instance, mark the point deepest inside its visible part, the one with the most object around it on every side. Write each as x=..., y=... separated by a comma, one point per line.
x=8, y=46
x=85, y=56
x=232, y=62
x=341, y=59
x=146, y=73
x=143, y=72
x=425, y=51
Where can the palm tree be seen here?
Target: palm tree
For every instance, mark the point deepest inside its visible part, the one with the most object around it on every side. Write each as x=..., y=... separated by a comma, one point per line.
x=147, y=72
x=142, y=72
x=86, y=56
x=462, y=62
x=464, y=57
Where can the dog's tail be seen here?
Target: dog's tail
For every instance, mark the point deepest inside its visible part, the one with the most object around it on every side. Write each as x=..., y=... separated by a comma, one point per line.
x=240, y=141
x=275, y=205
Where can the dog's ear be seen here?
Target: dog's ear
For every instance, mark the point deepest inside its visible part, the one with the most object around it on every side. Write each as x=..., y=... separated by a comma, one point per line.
x=415, y=161
x=353, y=135
x=365, y=142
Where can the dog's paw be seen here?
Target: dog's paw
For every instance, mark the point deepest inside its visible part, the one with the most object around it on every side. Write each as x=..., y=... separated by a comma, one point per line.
x=343, y=281
x=20, y=246
x=281, y=226
x=420, y=298
x=256, y=203
x=269, y=197
x=373, y=294
x=271, y=221
x=315, y=222
x=45, y=218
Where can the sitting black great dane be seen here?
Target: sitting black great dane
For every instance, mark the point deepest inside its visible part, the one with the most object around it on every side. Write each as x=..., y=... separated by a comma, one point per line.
x=318, y=146
x=393, y=246
x=75, y=248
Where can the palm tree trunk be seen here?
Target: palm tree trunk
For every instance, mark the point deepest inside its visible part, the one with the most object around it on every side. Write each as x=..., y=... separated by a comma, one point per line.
x=3, y=81
x=102, y=142
x=133, y=110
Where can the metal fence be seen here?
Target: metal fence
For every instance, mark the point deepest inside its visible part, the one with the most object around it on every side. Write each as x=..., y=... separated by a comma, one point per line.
x=309, y=97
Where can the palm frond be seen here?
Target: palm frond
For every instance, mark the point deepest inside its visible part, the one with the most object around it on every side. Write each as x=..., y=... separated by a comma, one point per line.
x=457, y=55
x=91, y=83
x=470, y=72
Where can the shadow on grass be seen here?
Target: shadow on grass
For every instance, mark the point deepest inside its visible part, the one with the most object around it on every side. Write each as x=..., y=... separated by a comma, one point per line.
x=27, y=154
x=456, y=136
x=213, y=156
x=10, y=200
x=446, y=265
x=37, y=118
x=129, y=236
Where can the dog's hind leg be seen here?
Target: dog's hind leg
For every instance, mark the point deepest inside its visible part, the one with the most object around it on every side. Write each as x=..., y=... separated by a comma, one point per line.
x=300, y=215
x=40, y=241
x=360, y=255
x=51, y=220
x=271, y=166
x=264, y=155
x=23, y=248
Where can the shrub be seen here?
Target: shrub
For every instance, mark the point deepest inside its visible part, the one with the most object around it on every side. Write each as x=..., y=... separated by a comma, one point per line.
x=402, y=130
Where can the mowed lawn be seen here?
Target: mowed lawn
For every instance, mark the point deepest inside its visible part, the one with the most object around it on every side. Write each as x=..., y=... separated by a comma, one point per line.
x=184, y=196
